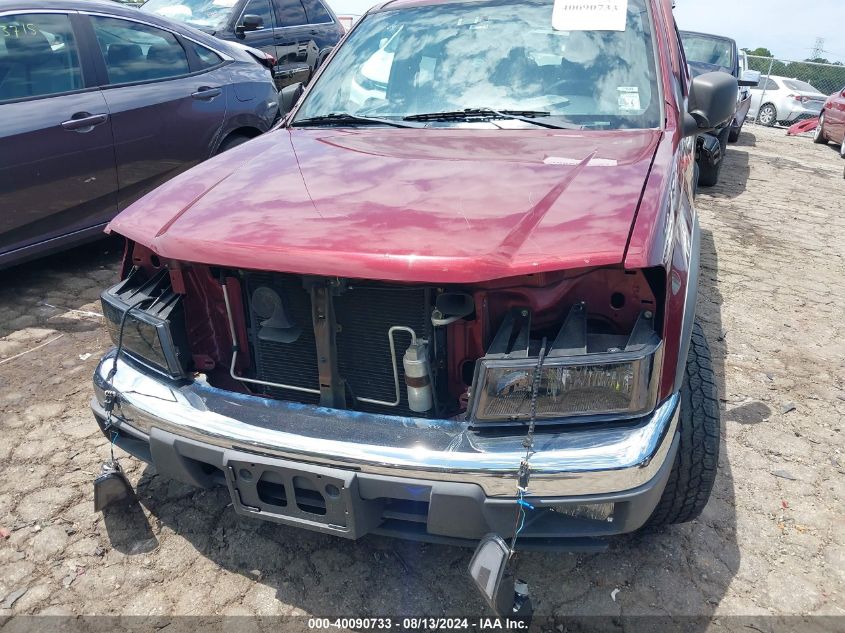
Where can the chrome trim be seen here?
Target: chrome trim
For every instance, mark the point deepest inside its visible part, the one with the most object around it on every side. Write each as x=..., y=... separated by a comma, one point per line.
x=24, y=11
x=573, y=461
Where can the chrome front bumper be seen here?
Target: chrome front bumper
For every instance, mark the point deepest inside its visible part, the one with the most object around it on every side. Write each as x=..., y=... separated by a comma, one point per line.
x=572, y=462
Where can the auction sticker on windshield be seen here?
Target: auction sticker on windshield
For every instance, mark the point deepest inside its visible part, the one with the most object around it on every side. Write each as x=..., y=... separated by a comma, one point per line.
x=569, y=15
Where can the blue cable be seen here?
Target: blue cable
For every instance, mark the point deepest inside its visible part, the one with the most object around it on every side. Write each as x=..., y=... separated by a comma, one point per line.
x=523, y=504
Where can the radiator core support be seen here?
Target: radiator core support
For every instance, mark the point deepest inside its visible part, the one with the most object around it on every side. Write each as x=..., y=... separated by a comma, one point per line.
x=366, y=348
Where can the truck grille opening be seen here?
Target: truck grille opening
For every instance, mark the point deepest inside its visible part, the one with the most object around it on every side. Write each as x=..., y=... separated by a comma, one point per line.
x=293, y=363
x=285, y=351
x=365, y=315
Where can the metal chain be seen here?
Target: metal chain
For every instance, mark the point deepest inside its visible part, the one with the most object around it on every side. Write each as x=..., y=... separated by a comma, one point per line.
x=524, y=474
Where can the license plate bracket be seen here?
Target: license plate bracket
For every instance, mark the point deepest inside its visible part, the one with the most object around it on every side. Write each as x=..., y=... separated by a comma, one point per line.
x=304, y=495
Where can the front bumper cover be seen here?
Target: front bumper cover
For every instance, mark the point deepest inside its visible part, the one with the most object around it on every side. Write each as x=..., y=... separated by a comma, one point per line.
x=195, y=432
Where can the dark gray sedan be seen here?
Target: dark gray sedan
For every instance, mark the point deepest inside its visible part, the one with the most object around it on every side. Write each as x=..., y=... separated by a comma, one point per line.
x=101, y=103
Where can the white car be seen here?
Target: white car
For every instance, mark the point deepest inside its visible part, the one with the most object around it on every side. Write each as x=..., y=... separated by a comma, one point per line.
x=784, y=100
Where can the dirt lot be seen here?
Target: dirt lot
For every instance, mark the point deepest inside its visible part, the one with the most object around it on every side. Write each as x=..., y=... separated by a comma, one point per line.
x=770, y=541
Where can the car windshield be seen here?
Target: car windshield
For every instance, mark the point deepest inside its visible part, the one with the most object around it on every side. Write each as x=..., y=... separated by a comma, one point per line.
x=708, y=50
x=207, y=14
x=502, y=56
x=801, y=86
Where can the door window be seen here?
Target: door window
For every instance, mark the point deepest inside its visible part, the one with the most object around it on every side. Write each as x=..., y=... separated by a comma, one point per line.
x=207, y=57
x=262, y=9
x=290, y=13
x=38, y=56
x=137, y=52
x=317, y=13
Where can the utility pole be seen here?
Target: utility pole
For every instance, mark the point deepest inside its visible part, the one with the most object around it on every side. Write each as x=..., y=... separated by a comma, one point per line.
x=818, y=49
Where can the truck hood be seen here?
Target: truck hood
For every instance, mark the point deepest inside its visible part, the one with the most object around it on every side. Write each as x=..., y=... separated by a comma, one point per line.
x=435, y=205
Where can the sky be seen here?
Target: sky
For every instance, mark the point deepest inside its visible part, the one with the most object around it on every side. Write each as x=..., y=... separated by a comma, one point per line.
x=779, y=25
x=783, y=27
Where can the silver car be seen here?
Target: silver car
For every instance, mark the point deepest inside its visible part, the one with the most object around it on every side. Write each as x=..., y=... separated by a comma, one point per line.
x=784, y=100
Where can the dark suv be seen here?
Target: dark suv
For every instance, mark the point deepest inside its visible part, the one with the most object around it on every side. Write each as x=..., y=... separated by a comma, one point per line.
x=715, y=53
x=298, y=34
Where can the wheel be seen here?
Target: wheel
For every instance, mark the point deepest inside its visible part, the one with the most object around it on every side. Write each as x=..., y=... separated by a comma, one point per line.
x=322, y=57
x=768, y=115
x=699, y=426
x=708, y=175
x=733, y=137
x=819, y=136
x=696, y=178
x=231, y=141
x=723, y=140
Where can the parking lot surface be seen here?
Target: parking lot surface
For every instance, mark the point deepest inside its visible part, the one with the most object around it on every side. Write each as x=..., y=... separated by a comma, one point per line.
x=769, y=542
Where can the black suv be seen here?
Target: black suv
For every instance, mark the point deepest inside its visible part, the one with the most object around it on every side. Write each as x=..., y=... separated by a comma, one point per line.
x=708, y=53
x=297, y=33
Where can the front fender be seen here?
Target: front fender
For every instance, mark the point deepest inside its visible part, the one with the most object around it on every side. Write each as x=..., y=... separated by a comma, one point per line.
x=666, y=235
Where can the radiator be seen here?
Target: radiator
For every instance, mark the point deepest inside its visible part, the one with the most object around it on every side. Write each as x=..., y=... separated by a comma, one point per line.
x=364, y=313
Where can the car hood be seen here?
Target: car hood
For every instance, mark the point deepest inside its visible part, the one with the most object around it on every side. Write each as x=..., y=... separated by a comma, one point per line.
x=434, y=205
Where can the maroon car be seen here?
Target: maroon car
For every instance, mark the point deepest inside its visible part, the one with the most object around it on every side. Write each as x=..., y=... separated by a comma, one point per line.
x=456, y=285
x=831, y=125
x=100, y=104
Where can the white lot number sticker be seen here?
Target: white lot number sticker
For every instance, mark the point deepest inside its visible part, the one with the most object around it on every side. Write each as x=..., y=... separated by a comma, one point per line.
x=607, y=15
x=629, y=99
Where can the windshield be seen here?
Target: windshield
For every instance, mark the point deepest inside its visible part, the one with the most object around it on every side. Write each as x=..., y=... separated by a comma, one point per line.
x=208, y=14
x=708, y=50
x=503, y=56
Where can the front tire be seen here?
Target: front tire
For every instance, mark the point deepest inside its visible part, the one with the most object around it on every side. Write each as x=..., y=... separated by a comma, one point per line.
x=768, y=115
x=708, y=174
x=819, y=136
x=733, y=137
x=699, y=428
x=233, y=140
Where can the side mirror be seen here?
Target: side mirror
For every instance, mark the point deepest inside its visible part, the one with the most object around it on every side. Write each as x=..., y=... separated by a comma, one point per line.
x=249, y=22
x=712, y=101
x=288, y=96
x=749, y=78
x=488, y=569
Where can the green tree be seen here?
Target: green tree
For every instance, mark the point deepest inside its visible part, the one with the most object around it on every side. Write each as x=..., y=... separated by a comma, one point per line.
x=759, y=52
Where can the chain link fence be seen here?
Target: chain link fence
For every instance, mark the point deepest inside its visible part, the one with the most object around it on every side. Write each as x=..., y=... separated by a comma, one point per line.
x=789, y=90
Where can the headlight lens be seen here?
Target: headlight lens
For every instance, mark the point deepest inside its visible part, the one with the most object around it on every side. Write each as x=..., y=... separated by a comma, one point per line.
x=139, y=337
x=154, y=331
x=586, y=386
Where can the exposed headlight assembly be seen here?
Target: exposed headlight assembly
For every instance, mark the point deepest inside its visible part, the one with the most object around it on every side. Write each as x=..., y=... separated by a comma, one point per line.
x=154, y=329
x=614, y=384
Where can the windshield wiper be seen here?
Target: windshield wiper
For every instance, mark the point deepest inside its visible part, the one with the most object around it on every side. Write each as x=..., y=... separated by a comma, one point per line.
x=345, y=117
x=527, y=116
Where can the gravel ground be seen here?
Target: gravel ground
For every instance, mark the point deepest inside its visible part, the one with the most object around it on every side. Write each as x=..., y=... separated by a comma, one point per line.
x=770, y=542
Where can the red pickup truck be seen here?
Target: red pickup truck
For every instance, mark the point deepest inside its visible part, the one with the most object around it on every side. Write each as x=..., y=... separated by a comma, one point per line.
x=471, y=238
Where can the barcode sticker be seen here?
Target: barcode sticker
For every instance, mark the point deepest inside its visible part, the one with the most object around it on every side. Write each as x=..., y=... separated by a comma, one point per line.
x=571, y=15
